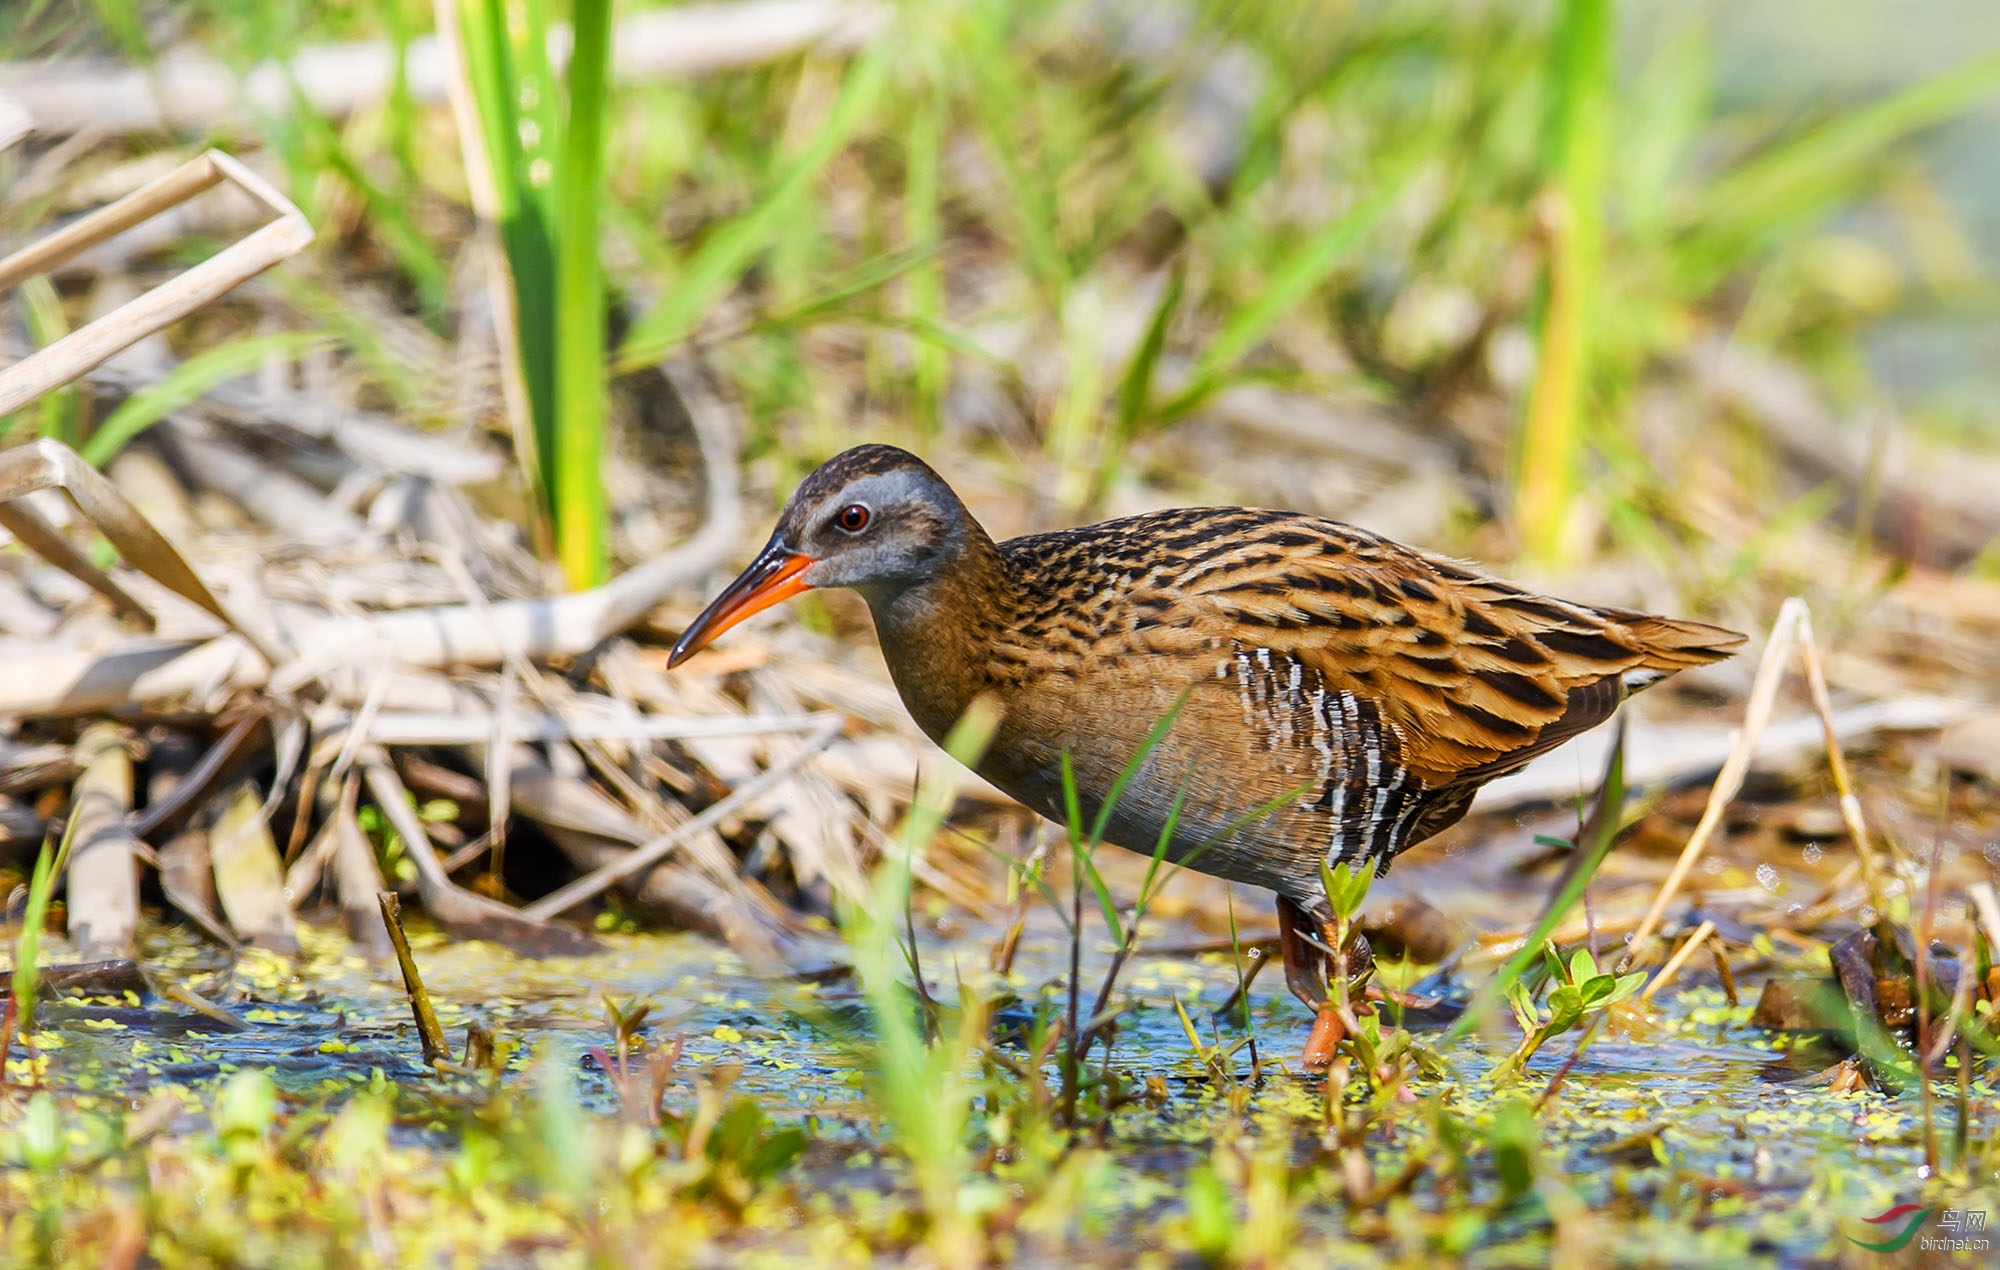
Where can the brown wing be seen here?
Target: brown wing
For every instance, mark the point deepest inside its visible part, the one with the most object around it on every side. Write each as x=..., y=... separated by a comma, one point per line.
x=1477, y=675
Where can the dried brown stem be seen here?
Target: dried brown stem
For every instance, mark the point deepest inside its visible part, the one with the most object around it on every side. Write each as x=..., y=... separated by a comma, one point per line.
x=428, y=1030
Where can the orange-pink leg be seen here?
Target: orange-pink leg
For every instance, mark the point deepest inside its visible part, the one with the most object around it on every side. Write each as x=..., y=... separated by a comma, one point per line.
x=1305, y=974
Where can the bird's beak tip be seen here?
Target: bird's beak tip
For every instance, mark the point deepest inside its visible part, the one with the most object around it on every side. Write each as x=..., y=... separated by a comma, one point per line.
x=773, y=577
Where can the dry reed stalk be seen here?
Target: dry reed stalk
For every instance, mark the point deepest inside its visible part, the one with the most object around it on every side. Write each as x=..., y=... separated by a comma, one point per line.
x=249, y=880
x=80, y=350
x=1792, y=629
x=428, y=1031
x=653, y=852
x=103, y=885
x=1679, y=959
x=189, y=90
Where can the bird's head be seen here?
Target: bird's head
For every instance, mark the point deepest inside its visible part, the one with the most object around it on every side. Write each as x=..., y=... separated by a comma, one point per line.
x=874, y=518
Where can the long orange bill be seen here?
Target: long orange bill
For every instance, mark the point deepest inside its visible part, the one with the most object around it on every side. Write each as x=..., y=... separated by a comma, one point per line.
x=772, y=577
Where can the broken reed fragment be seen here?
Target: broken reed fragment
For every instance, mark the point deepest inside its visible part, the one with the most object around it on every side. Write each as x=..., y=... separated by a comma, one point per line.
x=428, y=1030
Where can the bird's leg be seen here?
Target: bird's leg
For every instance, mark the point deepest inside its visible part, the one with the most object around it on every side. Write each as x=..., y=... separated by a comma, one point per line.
x=1305, y=964
x=1307, y=958
x=1353, y=961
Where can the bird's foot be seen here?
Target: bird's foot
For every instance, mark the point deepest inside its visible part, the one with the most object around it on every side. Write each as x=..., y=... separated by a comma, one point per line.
x=1328, y=1031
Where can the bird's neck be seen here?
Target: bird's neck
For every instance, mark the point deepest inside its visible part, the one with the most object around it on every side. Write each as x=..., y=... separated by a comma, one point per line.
x=938, y=635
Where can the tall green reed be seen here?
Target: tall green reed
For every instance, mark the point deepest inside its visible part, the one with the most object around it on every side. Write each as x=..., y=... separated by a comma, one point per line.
x=544, y=146
x=1577, y=144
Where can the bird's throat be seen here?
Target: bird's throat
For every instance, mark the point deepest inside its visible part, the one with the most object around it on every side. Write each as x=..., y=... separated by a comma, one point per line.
x=938, y=634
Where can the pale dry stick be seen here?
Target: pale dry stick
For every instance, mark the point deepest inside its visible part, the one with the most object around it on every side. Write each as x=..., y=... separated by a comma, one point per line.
x=196, y=782
x=69, y=681
x=573, y=811
x=1850, y=805
x=516, y=671
x=15, y=122
x=103, y=875
x=499, y=772
x=34, y=532
x=249, y=878
x=371, y=439
x=394, y=727
x=1757, y=714
x=358, y=733
x=394, y=800
x=80, y=350
x=1679, y=959
x=502, y=758
x=266, y=493
x=356, y=875
x=653, y=852
x=190, y=90
x=149, y=200
x=1669, y=753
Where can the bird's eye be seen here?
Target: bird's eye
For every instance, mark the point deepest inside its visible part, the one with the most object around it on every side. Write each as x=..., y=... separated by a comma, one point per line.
x=853, y=518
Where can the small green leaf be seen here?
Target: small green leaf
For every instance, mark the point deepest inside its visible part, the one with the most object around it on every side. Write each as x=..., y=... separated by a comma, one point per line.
x=1523, y=1002
x=43, y=1147
x=1627, y=985
x=1597, y=989
x=1347, y=886
x=1581, y=965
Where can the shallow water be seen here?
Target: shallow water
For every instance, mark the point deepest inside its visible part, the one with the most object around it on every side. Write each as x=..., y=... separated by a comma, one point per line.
x=1684, y=1129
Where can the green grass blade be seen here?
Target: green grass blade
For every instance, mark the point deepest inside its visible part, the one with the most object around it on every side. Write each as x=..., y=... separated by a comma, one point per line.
x=923, y=287
x=27, y=976
x=921, y=1088
x=1289, y=283
x=720, y=260
x=1665, y=114
x=831, y=299
x=1805, y=177
x=1102, y=891
x=188, y=381
x=576, y=477
x=1551, y=444
x=1243, y=821
x=325, y=150
x=1135, y=390
x=1005, y=111
x=1165, y=840
x=1080, y=848
x=499, y=70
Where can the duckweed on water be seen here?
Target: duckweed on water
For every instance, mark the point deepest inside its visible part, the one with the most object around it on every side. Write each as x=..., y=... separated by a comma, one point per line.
x=313, y=1135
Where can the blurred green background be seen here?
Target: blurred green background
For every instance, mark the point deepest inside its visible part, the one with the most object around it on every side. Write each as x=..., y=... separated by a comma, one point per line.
x=1062, y=239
